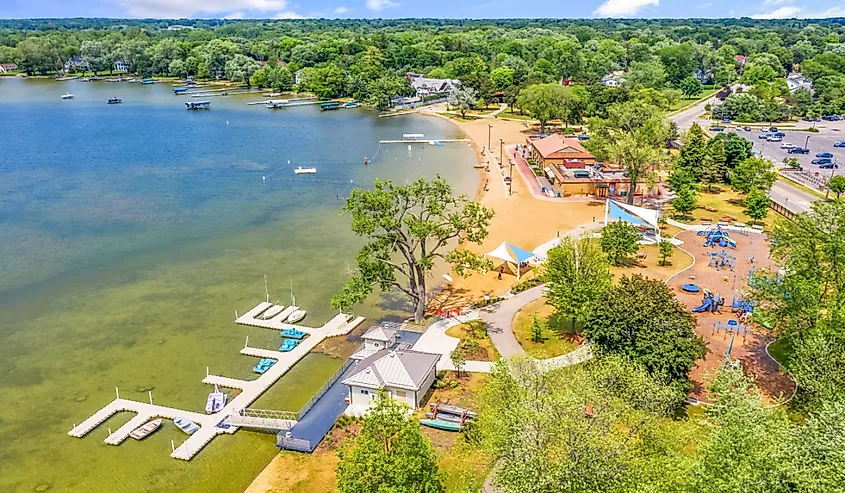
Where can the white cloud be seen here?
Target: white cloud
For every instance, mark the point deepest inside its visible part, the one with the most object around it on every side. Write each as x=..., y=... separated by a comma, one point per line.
x=288, y=14
x=786, y=12
x=341, y=10
x=377, y=5
x=776, y=2
x=191, y=8
x=623, y=8
x=235, y=15
x=825, y=14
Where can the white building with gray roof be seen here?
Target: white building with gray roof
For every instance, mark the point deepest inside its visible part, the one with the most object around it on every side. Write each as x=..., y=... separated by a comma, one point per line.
x=402, y=374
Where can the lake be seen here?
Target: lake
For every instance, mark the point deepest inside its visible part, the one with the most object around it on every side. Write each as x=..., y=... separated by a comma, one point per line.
x=129, y=236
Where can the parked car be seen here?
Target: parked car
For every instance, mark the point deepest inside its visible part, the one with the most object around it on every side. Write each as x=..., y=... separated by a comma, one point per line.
x=799, y=150
x=824, y=154
x=828, y=166
x=774, y=139
x=717, y=128
x=786, y=145
x=779, y=134
x=726, y=120
x=831, y=118
x=773, y=129
x=823, y=160
x=811, y=119
x=747, y=129
x=764, y=136
x=839, y=144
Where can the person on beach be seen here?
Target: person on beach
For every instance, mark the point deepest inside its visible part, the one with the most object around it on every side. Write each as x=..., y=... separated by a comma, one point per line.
x=501, y=270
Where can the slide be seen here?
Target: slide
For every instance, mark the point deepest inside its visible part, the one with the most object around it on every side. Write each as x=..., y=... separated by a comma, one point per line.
x=704, y=306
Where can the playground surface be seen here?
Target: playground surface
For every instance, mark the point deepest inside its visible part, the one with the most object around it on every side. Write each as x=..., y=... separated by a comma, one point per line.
x=750, y=348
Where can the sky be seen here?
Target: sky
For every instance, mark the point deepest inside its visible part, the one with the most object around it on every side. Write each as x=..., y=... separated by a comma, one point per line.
x=286, y=9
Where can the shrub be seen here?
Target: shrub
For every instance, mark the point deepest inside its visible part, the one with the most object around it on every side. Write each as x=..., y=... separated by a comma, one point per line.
x=453, y=384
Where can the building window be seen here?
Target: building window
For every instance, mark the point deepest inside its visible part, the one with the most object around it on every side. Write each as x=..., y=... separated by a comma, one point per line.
x=375, y=344
x=365, y=392
x=400, y=393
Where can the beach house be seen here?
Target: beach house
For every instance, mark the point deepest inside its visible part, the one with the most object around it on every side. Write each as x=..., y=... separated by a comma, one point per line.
x=426, y=87
x=557, y=149
x=8, y=67
x=403, y=374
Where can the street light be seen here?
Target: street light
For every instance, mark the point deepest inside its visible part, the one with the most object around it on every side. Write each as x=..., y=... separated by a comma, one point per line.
x=489, y=128
x=807, y=142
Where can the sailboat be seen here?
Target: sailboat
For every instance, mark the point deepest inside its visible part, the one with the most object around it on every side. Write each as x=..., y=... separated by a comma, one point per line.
x=297, y=314
x=216, y=401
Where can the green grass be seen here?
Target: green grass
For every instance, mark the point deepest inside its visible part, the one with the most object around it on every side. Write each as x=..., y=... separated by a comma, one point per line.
x=558, y=337
x=685, y=103
x=720, y=202
x=474, y=331
x=516, y=116
x=781, y=350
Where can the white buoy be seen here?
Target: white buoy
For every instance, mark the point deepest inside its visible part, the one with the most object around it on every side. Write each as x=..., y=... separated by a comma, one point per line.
x=263, y=178
x=409, y=147
x=227, y=122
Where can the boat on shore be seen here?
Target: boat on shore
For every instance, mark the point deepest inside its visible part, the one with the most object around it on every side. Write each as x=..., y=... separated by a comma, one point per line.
x=186, y=425
x=67, y=96
x=114, y=101
x=305, y=171
x=455, y=410
x=295, y=316
x=146, y=429
x=441, y=424
x=216, y=401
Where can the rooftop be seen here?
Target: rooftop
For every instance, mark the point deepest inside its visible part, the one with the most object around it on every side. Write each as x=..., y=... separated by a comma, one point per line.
x=404, y=369
x=380, y=333
x=557, y=146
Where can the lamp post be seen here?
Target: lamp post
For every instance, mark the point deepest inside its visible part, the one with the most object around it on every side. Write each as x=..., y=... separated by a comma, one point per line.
x=807, y=142
x=489, y=128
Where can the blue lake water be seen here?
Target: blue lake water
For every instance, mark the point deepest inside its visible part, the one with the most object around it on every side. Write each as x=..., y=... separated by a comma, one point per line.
x=130, y=234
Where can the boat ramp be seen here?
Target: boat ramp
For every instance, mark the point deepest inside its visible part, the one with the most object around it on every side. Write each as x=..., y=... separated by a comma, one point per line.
x=236, y=413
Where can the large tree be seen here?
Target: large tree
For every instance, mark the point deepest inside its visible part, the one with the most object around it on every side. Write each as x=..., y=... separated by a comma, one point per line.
x=618, y=240
x=409, y=227
x=465, y=99
x=633, y=137
x=543, y=102
x=641, y=319
x=388, y=455
x=693, y=152
x=753, y=173
x=577, y=273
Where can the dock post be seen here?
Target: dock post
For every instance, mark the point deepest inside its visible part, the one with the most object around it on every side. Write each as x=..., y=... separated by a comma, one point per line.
x=247, y=342
x=116, y=392
x=172, y=446
x=151, y=396
x=236, y=315
x=109, y=431
x=206, y=372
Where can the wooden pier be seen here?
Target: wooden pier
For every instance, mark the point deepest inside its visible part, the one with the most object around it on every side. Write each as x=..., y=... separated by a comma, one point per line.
x=421, y=141
x=341, y=324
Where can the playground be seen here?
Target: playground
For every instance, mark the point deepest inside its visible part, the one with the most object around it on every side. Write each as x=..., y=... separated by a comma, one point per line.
x=722, y=310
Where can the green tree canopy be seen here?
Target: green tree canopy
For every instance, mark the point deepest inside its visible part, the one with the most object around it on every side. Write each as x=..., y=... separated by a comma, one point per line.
x=618, y=240
x=577, y=273
x=753, y=173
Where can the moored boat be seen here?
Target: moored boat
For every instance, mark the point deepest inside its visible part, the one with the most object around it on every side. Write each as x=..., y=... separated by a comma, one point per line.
x=441, y=424
x=263, y=365
x=180, y=90
x=198, y=105
x=67, y=96
x=305, y=171
x=148, y=81
x=146, y=429
x=272, y=312
x=216, y=401
x=275, y=104
x=185, y=425
x=115, y=101
x=295, y=316
x=332, y=105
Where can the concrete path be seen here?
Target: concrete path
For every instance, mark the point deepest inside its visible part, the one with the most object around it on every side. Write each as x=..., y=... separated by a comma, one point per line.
x=435, y=340
x=499, y=321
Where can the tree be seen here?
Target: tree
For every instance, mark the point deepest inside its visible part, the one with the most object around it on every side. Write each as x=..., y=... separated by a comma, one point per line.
x=737, y=149
x=618, y=240
x=465, y=99
x=573, y=430
x=739, y=106
x=792, y=162
x=502, y=77
x=458, y=361
x=543, y=102
x=408, y=227
x=754, y=172
x=641, y=319
x=632, y=136
x=836, y=184
x=577, y=273
x=686, y=200
x=715, y=158
x=666, y=249
x=95, y=55
x=240, y=68
x=693, y=152
x=690, y=86
x=327, y=82
x=679, y=61
x=649, y=74
x=757, y=204
x=383, y=89
x=389, y=454
x=537, y=327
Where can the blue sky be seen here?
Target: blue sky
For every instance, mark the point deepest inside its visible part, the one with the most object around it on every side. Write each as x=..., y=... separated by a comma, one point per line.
x=430, y=8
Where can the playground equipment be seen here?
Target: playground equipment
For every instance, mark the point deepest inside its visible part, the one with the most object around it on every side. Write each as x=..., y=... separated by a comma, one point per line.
x=741, y=305
x=691, y=288
x=721, y=260
x=714, y=237
x=711, y=302
x=732, y=327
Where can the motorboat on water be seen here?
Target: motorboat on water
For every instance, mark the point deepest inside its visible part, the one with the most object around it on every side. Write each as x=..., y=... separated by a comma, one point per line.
x=115, y=101
x=186, y=425
x=305, y=171
x=272, y=312
x=146, y=429
x=295, y=316
x=216, y=401
x=67, y=96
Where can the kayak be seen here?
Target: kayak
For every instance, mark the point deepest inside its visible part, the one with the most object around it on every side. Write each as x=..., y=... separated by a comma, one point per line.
x=441, y=425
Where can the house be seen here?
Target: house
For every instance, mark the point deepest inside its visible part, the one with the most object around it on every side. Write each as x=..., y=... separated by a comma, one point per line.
x=121, y=66
x=557, y=149
x=741, y=60
x=614, y=79
x=76, y=64
x=403, y=374
x=425, y=86
x=8, y=67
x=703, y=76
x=795, y=81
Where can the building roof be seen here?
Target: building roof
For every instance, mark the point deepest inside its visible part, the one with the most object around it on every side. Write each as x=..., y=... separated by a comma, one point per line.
x=557, y=146
x=740, y=58
x=380, y=333
x=404, y=369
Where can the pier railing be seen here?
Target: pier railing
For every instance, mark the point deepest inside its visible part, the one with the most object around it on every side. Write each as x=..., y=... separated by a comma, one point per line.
x=289, y=443
x=334, y=378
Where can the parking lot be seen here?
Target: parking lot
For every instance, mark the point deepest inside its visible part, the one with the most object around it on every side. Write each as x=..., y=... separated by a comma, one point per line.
x=829, y=134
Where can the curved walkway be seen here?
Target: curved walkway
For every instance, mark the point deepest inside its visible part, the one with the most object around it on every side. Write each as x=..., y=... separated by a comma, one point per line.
x=499, y=321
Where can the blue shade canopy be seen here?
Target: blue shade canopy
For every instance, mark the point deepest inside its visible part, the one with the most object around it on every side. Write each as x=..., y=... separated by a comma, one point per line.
x=520, y=254
x=510, y=253
x=619, y=214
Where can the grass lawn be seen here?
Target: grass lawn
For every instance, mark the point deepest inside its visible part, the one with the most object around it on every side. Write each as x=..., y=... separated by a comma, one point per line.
x=475, y=343
x=652, y=267
x=558, y=337
x=720, y=202
x=686, y=102
x=781, y=350
x=516, y=116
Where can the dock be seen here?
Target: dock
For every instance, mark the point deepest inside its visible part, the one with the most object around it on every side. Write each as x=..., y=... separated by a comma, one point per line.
x=216, y=424
x=420, y=141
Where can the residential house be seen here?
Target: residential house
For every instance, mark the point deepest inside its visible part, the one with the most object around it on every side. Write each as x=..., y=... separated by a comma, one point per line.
x=403, y=374
x=704, y=76
x=425, y=86
x=795, y=81
x=8, y=67
x=741, y=60
x=121, y=66
x=614, y=79
x=557, y=149
x=77, y=64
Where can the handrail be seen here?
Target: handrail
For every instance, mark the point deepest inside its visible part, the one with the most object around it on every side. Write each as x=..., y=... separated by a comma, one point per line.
x=334, y=378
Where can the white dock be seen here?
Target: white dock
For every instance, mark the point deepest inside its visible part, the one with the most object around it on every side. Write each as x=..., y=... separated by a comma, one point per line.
x=251, y=389
x=420, y=141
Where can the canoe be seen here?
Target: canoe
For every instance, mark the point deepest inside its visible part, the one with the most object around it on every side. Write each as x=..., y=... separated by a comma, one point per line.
x=445, y=408
x=186, y=425
x=441, y=425
x=296, y=316
x=146, y=429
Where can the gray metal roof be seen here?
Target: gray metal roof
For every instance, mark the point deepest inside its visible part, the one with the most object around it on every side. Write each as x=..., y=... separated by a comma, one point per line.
x=395, y=368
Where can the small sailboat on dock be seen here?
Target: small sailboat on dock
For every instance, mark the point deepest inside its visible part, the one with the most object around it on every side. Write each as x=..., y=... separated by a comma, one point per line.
x=272, y=312
x=216, y=401
x=146, y=429
x=296, y=316
x=186, y=425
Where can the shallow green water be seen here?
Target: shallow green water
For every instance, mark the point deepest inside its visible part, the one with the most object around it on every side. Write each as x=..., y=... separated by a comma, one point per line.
x=130, y=235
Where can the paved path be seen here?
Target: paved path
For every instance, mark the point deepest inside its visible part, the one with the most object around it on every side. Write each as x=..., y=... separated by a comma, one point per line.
x=435, y=340
x=499, y=321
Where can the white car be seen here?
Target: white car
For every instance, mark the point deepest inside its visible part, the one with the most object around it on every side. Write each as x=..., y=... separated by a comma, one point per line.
x=774, y=139
x=785, y=145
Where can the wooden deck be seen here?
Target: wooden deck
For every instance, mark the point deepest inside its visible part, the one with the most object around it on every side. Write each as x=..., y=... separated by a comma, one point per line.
x=251, y=389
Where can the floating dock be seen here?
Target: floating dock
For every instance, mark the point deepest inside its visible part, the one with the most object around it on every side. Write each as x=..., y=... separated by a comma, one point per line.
x=420, y=141
x=212, y=425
